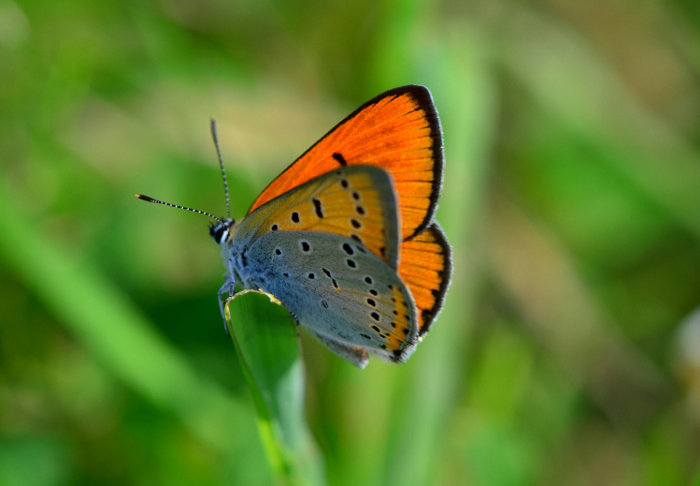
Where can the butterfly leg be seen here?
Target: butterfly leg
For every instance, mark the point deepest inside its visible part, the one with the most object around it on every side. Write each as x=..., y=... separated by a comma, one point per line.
x=222, y=291
x=231, y=278
x=229, y=285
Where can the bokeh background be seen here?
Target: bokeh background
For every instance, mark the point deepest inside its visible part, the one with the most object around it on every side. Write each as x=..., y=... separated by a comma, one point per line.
x=568, y=352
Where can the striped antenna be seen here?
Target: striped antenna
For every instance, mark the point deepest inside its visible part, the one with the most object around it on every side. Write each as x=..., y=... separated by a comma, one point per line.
x=151, y=200
x=221, y=165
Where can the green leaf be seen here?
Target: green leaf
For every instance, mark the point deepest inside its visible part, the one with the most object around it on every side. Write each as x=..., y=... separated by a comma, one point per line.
x=265, y=336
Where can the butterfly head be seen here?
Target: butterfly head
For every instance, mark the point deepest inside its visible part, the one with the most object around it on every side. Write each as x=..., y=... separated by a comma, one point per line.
x=222, y=231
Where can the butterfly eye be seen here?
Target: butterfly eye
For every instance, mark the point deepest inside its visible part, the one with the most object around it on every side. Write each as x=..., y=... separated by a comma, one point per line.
x=219, y=232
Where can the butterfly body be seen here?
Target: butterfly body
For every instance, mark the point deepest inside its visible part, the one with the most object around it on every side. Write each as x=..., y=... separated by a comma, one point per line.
x=345, y=236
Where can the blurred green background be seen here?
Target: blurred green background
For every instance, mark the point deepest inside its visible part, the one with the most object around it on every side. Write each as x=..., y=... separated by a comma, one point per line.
x=567, y=352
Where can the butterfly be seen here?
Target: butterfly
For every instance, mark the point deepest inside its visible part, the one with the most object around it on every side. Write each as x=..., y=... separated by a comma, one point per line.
x=345, y=237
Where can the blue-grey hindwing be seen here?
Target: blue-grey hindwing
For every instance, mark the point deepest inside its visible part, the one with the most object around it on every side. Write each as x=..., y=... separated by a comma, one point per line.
x=336, y=288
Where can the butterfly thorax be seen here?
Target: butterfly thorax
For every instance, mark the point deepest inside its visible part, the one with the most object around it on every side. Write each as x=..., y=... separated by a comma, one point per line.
x=224, y=234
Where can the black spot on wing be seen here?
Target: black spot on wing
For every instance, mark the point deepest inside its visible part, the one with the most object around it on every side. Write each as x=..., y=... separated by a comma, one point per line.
x=340, y=159
x=318, y=207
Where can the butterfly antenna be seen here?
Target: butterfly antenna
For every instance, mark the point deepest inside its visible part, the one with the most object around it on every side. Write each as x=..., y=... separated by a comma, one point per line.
x=151, y=200
x=221, y=165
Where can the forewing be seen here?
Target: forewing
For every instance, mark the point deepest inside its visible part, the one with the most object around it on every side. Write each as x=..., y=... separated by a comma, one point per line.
x=398, y=131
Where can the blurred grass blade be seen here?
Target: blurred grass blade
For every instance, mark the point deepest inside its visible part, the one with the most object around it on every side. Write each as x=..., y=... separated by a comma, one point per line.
x=577, y=87
x=265, y=337
x=466, y=100
x=121, y=339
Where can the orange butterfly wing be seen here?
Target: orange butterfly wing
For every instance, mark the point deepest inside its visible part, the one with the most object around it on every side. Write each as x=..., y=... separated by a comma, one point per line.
x=398, y=131
x=426, y=269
